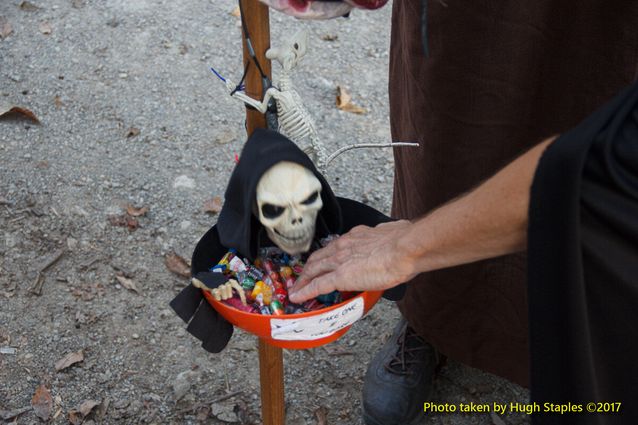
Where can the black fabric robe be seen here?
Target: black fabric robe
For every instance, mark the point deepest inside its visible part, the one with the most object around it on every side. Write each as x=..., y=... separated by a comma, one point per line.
x=583, y=268
x=477, y=83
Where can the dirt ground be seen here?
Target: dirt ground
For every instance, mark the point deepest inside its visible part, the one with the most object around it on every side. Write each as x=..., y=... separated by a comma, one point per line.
x=131, y=116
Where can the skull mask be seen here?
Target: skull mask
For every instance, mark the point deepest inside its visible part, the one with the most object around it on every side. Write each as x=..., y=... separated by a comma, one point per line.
x=288, y=201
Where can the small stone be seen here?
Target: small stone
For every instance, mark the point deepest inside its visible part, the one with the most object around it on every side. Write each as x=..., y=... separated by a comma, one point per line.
x=184, y=181
x=103, y=378
x=7, y=350
x=152, y=397
x=225, y=138
x=184, y=225
x=135, y=407
x=122, y=404
x=182, y=383
x=224, y=412
x=71, y=243
x=135, y=336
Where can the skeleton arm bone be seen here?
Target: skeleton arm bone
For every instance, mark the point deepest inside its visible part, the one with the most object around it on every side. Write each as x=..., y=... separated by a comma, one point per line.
x=489, y=221
x=261, y=106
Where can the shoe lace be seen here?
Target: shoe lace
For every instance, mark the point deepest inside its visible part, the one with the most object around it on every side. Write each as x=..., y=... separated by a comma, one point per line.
x=409, y=345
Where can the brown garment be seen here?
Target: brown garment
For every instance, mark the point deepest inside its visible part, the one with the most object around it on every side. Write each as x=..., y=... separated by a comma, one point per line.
x=500, y=77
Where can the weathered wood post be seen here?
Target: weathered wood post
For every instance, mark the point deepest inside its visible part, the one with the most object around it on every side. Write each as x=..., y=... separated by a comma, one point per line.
x=271, y=366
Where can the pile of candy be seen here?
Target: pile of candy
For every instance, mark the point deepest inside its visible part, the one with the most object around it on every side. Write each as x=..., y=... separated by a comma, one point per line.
x=262, y=287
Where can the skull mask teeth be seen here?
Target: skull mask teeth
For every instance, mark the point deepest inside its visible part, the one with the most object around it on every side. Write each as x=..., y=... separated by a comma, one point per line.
x=288, y=201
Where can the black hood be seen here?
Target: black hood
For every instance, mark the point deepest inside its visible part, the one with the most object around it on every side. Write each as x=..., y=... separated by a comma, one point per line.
x=237, y=225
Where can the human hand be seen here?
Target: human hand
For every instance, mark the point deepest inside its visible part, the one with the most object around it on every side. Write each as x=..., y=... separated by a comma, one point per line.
x=364, y=259
x=321, y=9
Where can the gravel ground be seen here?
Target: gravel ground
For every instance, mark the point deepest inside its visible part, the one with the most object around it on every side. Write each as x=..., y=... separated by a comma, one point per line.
x=131, y=115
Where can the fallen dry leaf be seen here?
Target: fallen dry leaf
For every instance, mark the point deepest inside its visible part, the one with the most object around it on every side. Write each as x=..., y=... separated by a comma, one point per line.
x=124, y=220
x=6, y=110
x=45, y=28
x=102, y=408
x=57, y=413
x=88, y=292
x=213, y=206
x=69, y=360
x=58, y=102
x=75, y=417
x=202, y=414
x=88, y=406
x=330, y=37
x=84, y=319
x=344, y=102
x=127, y=283
x=132, y=132
x=28, y=6
x=5, y=336
x=322, y=415
x=42, y=402
x=136, y=212
x=177, y=265
x=236, y=12
x=6, y=415
x=5, y=27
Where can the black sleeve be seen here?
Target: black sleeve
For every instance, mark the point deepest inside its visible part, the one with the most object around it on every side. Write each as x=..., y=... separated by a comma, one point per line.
x=583, y=268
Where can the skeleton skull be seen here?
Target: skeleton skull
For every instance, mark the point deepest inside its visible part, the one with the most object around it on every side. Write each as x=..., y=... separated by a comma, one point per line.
x=288, y=201
x=290, y=53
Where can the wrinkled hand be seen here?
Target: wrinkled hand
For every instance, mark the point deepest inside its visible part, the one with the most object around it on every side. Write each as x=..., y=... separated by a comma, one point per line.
x=363, y=259
x=317, y=9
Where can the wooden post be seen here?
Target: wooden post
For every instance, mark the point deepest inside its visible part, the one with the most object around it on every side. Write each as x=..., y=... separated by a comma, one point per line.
x=271, y=377
x=258, y=24
x=271, y=365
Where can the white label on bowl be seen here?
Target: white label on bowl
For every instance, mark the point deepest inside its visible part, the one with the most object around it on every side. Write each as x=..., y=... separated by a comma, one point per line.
x=319, y=326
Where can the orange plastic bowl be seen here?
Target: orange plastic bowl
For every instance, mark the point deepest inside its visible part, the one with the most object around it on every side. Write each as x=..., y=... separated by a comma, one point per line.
x=304, y=330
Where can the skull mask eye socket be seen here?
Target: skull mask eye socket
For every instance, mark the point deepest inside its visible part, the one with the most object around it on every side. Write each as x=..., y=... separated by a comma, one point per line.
x=311, y=199
x=271, y=211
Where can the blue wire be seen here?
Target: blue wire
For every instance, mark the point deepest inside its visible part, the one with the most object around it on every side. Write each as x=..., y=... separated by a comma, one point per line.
x=241, y=88
x=217, y=73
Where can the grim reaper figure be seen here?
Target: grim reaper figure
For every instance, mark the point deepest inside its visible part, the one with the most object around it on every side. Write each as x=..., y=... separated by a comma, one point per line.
x=275, y=196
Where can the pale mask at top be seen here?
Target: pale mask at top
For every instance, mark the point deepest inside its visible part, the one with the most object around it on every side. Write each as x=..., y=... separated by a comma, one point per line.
x=288, y=201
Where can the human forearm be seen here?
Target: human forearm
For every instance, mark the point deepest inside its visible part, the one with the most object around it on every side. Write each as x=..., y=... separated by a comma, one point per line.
x=489, y=221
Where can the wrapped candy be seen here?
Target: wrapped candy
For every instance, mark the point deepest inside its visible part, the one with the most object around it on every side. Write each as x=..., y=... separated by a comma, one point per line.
x=266, y=282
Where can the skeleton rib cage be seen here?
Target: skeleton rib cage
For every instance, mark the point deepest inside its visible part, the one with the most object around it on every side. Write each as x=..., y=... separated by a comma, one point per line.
x=295, y=122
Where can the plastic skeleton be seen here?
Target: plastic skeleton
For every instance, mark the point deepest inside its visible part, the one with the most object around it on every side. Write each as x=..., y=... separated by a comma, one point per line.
x=295, y=121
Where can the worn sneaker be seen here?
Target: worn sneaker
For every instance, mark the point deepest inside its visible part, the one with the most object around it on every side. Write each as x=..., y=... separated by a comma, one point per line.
x=399, y=379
